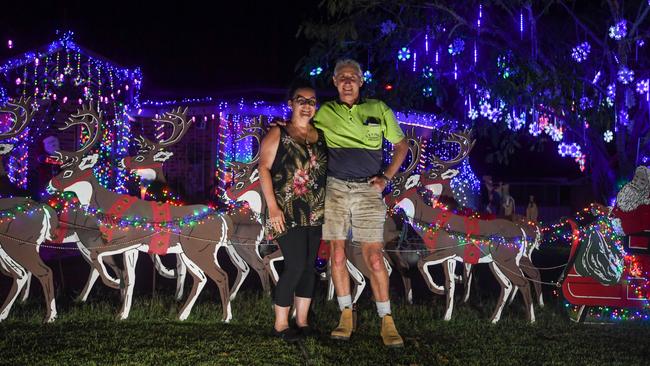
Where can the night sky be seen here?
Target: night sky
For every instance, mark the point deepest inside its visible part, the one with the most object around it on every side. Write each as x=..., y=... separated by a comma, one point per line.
x=194, y=50
x=188, y=49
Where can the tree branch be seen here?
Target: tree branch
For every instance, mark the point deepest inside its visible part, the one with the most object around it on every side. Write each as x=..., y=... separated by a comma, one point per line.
x=581, y=24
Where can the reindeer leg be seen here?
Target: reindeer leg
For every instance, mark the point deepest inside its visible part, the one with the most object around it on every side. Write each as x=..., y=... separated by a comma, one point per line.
x=181, y=273
x=423, y=267
x=24, y=295
x=161, y=268
x=516, y=276
x=92, y=276
x=467, y=273
x=533, y=274
x=19, y=276
x=450, y=286
x=408, y=289
x=199, y=280
x=269, y=261
x=97, y=259
x=506, y=287
x=130, y=260
x=242, y=270
x=513, y=294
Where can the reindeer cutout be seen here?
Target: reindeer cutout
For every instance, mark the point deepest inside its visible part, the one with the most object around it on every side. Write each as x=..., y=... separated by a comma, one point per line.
x=197, y=244
x=445, y=245
x=21, y=238
x=249, y=231
x=437, y=179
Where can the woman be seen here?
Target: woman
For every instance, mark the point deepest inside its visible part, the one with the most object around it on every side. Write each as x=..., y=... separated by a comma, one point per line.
x=292, y=168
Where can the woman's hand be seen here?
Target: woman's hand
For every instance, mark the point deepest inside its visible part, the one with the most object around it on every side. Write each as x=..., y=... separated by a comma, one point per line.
x=379, y=182
x=276, y=217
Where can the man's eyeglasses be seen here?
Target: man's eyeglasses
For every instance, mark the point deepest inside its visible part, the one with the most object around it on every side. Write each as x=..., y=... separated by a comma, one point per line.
x=304, y=101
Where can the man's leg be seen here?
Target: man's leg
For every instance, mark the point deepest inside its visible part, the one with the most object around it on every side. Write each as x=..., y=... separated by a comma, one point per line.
x=340, y=274
x=341, y=279
x=374, y=258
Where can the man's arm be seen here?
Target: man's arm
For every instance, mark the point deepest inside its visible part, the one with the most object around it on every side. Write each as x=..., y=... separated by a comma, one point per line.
x=400, y=150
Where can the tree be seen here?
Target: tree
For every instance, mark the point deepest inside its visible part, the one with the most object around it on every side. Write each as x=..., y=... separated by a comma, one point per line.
x=561, y=70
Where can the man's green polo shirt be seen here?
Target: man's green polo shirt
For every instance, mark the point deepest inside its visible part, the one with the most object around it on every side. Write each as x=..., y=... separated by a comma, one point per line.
x=354, y=136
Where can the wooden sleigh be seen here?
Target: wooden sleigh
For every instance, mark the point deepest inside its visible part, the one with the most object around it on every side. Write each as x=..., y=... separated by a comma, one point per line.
x=587, y=291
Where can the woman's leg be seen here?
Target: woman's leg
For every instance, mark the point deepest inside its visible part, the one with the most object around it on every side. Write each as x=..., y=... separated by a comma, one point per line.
x=292, y=245
x=305, y=288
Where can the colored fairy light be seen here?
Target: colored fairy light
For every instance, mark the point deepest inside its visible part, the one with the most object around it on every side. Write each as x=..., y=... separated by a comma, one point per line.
x=472, y=114
x=316, y=71
x=618, y=30
x=625, y=75
x=521, y=24
x=404, y=54
x=437, y=59
x=10, y=44
x=427, y=91
x=455, y=71
x=367, y=76
x=18, y=81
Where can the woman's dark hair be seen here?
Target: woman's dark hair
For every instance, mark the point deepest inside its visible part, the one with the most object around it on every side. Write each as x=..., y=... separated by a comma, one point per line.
x=299, y=84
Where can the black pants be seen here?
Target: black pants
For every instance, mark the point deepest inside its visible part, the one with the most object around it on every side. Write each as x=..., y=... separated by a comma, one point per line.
x=299, y=248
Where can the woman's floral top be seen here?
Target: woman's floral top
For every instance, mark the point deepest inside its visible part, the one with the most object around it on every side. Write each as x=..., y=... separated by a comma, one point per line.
x=299, y=175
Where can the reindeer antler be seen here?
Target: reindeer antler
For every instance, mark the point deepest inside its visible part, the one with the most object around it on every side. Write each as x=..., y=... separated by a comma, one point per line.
x=92, y=120
x=144, y=144
x=180, y=125
x=22, y=112
x=466, y=143
x=256, y=129
x=415, y=148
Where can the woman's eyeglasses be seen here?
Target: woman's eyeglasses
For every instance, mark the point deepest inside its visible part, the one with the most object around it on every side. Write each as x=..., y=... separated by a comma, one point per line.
x=305, y=101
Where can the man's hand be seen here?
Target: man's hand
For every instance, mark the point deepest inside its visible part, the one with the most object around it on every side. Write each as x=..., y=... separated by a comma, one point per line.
x=277, y=122
x=379, y=182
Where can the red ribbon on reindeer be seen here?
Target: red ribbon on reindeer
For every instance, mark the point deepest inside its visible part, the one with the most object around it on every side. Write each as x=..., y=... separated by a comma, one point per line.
x=160, y=242
x=472, y=252
x=115, y=213
x=431, y=237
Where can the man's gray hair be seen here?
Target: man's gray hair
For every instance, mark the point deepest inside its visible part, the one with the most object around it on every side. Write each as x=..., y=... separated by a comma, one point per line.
x=348, y=62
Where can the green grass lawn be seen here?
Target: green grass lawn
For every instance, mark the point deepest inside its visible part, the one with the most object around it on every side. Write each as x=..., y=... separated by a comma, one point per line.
x=89, y=334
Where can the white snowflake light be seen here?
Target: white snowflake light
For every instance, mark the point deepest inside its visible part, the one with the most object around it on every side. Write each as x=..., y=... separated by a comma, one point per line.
x=316, y=71
x=367, y=76
x=580, y=52
x=625, y=75
x=456, y=47
x=404, y=54
x=642, y=86
x=485, y=108
x=619, y=30
x=472, y=114
x=387, y=27
x=427, y=71
x=608, y=136
x=534, y=129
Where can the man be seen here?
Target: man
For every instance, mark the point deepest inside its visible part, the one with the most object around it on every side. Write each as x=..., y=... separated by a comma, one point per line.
x=354, y=130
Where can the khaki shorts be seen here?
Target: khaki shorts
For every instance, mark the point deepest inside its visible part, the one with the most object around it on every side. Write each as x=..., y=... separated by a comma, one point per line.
x=353, y=206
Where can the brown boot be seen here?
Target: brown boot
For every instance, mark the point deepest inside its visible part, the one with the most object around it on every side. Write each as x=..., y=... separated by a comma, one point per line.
x=346, y=325
x=389, y=333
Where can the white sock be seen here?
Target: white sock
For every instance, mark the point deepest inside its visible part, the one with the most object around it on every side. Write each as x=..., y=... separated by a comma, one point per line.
x=383, y=308
x=344, y=301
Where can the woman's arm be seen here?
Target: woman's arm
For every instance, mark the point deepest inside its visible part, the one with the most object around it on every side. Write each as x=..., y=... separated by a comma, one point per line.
x=268, y=150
